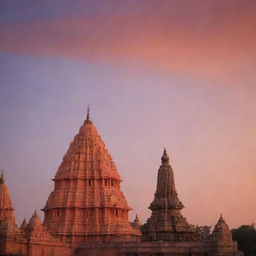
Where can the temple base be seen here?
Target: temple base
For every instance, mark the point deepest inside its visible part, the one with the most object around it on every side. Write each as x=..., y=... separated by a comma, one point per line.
x=157, y=248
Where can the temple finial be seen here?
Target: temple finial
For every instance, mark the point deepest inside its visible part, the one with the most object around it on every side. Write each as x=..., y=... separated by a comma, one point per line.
x=35, y=214
x=88, y=113
x=2, y=178
x=88, y=120
x=165, y=157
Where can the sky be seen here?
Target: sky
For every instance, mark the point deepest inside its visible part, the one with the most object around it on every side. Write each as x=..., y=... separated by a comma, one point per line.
x=174, y=74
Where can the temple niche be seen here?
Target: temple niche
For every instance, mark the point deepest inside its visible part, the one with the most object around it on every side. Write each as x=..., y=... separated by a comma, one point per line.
x=86, y=214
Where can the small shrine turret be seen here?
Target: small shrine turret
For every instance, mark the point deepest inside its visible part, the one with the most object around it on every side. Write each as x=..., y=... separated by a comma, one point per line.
x=136, y=223
x=221, y=232
x=6, y=208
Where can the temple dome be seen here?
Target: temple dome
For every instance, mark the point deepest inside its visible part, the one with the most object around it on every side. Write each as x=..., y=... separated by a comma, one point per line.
x=34, y=220
x=221, y=231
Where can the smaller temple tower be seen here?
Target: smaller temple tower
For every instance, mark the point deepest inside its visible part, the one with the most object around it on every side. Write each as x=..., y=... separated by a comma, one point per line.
x=222, y=238
x=23, y=225
x=136, y=223
x=6, y=209
x=40, y=242
x=11, y=237
x=221, y=242
x=166, y=221
x=30, y=239
x=221, y=232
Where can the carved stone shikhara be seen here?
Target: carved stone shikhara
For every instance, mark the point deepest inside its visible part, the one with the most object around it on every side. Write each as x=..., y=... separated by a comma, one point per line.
x=87, y=213
x=166, y=221
x=87, y=203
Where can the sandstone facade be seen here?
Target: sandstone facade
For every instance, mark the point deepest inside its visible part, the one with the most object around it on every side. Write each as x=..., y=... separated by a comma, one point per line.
x=87, y=213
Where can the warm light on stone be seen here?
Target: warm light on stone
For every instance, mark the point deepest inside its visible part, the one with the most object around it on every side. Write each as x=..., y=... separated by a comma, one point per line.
x=87, y=213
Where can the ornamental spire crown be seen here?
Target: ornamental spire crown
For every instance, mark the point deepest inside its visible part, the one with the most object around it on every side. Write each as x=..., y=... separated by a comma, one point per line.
x=165, y=157
x=88, y=120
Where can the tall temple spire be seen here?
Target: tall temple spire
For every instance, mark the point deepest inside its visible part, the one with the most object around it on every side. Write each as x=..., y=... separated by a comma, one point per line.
x=166, y=195
x=87, y=202
x=166, y=221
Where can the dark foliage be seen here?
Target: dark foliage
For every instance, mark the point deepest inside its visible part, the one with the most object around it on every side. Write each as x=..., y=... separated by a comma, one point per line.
x=246, y=239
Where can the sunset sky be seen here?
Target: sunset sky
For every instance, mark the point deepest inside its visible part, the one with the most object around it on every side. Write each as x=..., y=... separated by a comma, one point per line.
x=156, y=73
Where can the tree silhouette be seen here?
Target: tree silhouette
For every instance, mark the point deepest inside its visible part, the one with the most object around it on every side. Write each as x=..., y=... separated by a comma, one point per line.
x=245, y=236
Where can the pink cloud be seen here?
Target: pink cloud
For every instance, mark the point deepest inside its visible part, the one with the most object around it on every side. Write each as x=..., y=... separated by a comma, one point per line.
x=215, y=45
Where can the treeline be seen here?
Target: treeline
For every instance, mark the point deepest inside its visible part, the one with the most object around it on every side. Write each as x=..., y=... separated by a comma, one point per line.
x=246, y=239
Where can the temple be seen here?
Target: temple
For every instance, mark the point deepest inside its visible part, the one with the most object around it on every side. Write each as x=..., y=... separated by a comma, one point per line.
x=166, y=221
x=30, y=239
x=86, y=214
x=87, y=203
